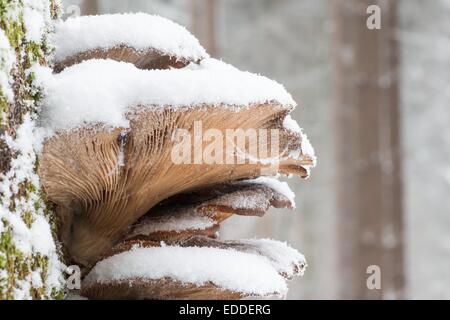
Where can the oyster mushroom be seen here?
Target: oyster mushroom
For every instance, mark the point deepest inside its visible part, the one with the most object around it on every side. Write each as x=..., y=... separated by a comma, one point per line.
x=150, y=150
x=149, y=42
x=201, y=211
x=196, y=268
x=103, y=178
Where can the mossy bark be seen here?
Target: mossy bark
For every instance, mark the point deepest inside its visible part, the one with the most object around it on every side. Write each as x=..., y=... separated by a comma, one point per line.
x=24, y=273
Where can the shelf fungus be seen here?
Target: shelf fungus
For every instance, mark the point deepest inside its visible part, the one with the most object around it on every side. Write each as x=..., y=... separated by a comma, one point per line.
x=149, y=42
x=194, y=268
x=143, y=166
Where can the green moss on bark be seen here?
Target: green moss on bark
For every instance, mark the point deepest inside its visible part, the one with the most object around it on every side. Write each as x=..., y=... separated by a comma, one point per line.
x=15, y=265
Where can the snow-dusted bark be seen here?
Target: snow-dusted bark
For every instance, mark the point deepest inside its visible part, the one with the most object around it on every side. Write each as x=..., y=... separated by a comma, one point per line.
x=30, y=267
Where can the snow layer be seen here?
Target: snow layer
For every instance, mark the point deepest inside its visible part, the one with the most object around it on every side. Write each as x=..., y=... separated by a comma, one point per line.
x=246, y=200
x=7, y=60
x=102, y=91
x=291, y=124
x=285, y=259
x=36, y=18
x=278, y=186
x=182, y=220
x=138, y=30
x=307, y=148
x=228, y=269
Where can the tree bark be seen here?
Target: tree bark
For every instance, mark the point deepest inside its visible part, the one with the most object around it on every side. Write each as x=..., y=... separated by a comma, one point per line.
x=26, y=271
x=368, y=150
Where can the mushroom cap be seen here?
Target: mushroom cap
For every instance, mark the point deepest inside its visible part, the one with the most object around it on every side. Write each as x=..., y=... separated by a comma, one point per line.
x=196, y=268
x=111, y=158
x=175, y=229
x=148, y=41
x=201, y=211
x=149, y=58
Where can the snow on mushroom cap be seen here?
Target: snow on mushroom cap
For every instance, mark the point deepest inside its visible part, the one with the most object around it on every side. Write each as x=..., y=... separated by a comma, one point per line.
x=138, y=30
x=279, y=186
x=102, y=91
x=229, y=269
x=181, y=220
x=307, y=149
x=285, y=259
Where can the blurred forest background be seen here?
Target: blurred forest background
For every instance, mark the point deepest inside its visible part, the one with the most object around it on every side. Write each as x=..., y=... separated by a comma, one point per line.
x=375, y=104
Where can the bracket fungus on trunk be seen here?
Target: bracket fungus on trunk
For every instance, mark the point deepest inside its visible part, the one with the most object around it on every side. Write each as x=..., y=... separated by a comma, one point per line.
x=136, y=157
x=200, y=212
x=211, y=269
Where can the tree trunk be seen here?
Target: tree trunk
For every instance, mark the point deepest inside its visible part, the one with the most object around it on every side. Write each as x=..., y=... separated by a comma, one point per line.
x=368, y=147
x=204, y=23
x=89, y=7
x=29, y=262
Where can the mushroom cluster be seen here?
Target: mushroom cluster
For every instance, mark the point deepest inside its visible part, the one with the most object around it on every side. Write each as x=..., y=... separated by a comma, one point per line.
x=139, y=204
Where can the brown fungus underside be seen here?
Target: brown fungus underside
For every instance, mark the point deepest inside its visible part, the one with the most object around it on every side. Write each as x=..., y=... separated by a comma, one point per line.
x=98, y=197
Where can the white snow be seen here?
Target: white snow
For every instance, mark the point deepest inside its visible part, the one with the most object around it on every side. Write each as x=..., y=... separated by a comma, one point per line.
x=7, y=60
x=121, y=158
x=184, y=219
x=291, y=124
x=40, y=240
x=35, y=18
x=137, y=30
x=36, y=279
x=211, y=64
x=102, y=91
x=285, y=259
x=228, y=269
x=308, y=149
x=280, y=187
x=243, y=200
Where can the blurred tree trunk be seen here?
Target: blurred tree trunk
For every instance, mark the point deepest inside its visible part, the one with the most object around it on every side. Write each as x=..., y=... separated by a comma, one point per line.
x=89, y=7
x=368, y=150
x=204, y=23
